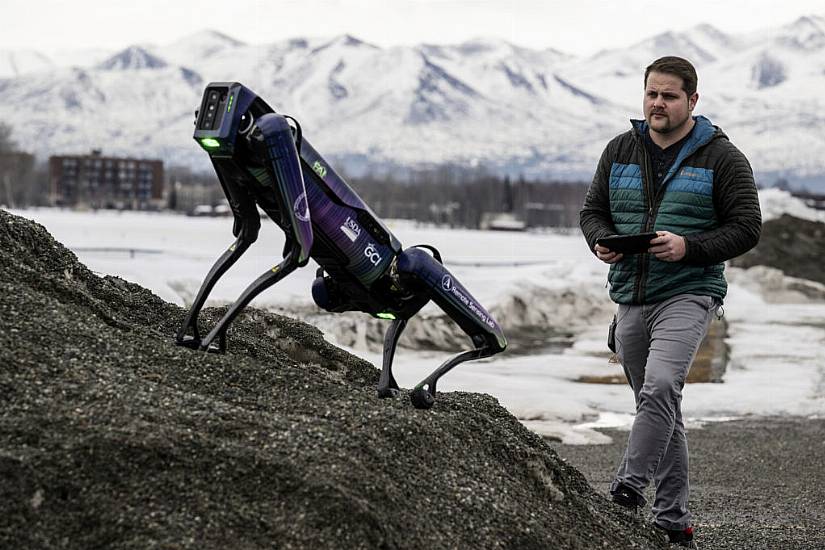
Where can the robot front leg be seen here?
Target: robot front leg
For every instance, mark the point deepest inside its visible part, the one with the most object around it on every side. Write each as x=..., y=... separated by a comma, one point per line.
x=421, y=271
x=226, y=260
x=246, y=225
x=288, y=265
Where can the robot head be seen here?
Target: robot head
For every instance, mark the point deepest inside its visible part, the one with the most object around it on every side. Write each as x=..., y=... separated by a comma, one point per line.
x=227, y=109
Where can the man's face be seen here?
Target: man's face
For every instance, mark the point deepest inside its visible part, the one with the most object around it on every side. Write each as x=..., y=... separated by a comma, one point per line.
x=667, y=106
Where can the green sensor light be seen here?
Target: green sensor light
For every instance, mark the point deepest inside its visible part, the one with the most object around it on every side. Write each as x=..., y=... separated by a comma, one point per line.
x=210, y=143
x=385, y=315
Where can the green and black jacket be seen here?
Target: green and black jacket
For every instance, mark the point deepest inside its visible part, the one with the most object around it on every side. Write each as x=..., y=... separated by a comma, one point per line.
x=708, y=197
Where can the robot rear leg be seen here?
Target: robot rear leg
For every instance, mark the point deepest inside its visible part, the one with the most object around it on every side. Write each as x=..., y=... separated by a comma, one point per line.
x=418, y=269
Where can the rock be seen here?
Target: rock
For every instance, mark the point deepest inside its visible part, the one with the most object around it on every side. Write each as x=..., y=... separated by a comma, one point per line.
x=111, y=436
x=794, y=245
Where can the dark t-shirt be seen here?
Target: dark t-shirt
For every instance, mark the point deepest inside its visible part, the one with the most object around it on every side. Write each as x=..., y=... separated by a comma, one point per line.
x=662, y=159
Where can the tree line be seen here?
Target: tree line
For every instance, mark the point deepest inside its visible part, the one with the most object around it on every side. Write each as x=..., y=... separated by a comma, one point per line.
x=447, y=195
x=461, y=197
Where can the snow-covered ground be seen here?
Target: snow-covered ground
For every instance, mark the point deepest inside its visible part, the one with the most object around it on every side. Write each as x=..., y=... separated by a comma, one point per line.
x=776, y=335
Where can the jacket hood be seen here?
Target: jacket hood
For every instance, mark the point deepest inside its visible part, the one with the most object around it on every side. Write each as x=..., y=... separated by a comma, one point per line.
x=703, y=133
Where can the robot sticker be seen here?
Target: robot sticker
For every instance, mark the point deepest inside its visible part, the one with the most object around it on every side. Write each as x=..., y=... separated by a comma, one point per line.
x=351, y=229
x=301, y=207
x=372, y=254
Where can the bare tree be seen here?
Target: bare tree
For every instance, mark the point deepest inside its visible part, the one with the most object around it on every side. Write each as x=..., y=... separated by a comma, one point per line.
x=19, y=185
x=6, y=143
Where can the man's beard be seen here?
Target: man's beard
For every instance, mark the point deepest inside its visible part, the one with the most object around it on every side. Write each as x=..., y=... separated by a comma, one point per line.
x=668, y=127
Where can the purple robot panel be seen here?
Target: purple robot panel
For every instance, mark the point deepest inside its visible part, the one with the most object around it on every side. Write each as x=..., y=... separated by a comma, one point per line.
x=462, y=299
x=448, y=292
x=341, y=190
x=369, y=259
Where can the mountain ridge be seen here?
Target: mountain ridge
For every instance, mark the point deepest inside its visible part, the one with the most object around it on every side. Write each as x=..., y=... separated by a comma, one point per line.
x=482, y=102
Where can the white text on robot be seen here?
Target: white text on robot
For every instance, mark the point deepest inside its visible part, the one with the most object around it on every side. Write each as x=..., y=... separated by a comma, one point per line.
x=372, y=254
x=447, y=284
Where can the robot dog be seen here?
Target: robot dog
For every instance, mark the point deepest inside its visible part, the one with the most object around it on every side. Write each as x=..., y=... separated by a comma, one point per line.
x=263, y=161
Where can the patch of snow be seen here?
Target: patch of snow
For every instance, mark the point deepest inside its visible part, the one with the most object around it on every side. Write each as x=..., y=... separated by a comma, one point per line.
x=775, y=202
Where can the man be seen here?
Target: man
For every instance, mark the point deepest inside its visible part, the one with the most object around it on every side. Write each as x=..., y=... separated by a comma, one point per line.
x=680, y=176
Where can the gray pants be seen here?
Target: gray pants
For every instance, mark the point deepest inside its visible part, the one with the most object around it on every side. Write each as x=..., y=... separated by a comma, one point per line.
x=656, y=344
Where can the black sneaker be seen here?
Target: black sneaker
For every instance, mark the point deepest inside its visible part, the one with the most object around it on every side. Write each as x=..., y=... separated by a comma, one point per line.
x=628, y=498
x=680, y=537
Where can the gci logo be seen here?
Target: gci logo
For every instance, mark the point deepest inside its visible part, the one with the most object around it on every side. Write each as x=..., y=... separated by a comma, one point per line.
x=372, y=254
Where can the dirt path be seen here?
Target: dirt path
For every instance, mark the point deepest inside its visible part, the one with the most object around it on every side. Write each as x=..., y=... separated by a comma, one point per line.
x=755, y=483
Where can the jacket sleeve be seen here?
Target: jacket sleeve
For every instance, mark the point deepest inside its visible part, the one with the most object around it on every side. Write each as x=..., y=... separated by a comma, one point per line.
x=737, y=207
x=595, y=219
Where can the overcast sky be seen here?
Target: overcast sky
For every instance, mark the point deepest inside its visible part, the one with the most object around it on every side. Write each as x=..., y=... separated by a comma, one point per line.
x=574, y=26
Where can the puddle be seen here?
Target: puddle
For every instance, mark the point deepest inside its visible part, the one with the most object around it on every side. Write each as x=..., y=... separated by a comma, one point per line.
x=708, y=366
x=537, y=341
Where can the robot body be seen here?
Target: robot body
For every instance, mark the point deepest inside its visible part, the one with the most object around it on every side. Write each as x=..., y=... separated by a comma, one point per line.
x=263, y=161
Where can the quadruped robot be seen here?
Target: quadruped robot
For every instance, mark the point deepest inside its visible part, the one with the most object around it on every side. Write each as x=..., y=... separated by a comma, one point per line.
x=263, y=161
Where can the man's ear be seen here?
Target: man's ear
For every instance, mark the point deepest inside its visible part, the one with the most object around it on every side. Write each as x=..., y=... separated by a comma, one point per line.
x=692, y=100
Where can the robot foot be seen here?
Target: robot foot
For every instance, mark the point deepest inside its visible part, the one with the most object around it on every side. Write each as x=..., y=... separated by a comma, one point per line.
x=190, y=342
x=422, y=399
x=384, y=393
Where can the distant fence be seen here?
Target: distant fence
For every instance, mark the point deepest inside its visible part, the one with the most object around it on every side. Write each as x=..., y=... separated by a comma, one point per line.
x=131, y=252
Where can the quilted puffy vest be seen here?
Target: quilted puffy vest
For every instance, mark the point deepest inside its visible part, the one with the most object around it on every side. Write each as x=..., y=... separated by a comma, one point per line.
x=682, y=205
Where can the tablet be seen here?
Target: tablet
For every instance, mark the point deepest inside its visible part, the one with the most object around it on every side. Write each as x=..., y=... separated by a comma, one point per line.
x=628, y=244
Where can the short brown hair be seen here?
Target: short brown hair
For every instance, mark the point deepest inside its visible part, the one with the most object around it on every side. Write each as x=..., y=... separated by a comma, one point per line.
x=675, y=66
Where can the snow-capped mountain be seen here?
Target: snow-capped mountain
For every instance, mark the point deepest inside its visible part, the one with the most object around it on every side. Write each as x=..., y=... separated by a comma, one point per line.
x=482, y=102
x=131, y=59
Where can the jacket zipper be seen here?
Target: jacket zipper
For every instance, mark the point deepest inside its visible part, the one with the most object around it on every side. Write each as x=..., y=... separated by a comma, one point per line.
x=652, y=202
x=649, y=216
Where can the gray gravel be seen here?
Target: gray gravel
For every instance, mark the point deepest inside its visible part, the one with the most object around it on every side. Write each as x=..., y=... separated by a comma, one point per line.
x=755, y=483
x=113, y=437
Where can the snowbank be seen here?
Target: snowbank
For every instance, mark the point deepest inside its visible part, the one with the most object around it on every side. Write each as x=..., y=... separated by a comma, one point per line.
x=775, y=202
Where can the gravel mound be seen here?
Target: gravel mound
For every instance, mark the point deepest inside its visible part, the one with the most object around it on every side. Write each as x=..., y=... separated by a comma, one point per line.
x=113, y=437
x=794, y=245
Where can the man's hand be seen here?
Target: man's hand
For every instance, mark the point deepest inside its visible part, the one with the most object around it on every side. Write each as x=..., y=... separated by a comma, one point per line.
x=606, y=255
x=668, y=247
